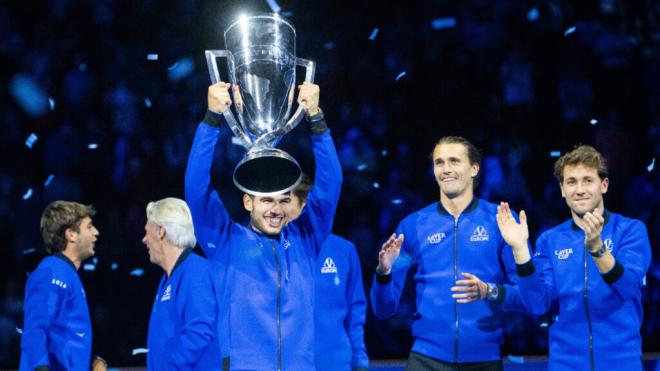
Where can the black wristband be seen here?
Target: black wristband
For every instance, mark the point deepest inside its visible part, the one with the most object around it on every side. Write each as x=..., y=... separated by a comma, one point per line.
x=383, y=279
x=213, y=119
x=317, y=123
x=614, y=274
x=525, y=269
x=501, y=294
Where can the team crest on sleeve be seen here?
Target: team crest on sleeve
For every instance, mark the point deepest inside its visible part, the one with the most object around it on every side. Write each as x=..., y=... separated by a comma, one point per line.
x=563, y=253
x=329, y=266
x=436, y=238
x=480, y=234
x=167, y=295
x=609, y=244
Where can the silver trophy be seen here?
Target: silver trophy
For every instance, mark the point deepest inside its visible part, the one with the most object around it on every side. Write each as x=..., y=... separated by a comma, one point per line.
x=261, y=60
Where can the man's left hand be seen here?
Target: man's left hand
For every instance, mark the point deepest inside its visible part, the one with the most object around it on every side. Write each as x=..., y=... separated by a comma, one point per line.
x=470, y=289
x=308, y=98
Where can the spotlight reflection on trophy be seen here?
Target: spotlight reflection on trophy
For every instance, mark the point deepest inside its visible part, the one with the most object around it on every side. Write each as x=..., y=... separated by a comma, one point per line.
x=261, y=61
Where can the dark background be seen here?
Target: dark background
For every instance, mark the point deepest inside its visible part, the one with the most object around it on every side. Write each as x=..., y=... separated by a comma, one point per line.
x=520, y=79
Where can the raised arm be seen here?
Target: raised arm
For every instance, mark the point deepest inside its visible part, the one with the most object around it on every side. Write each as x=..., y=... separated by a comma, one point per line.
x=390, y=277
x=319, y=213
x=208, y=212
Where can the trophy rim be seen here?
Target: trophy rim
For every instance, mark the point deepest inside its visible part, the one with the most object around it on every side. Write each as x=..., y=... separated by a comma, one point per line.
x=259, y=152
x=261, y=15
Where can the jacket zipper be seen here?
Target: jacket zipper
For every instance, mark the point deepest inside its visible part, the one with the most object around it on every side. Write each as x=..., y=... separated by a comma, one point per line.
x=279, y=289
x=455, y=279
x=586, y=308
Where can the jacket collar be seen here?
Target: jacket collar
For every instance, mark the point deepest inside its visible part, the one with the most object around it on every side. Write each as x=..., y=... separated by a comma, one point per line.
x=470, y=207
x=66, y=259
x=180, y=259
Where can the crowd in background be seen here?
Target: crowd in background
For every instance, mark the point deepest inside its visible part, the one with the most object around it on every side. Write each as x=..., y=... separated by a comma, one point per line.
x=99, y=102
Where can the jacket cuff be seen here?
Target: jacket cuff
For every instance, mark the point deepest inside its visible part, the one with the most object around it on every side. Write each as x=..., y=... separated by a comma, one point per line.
x=317, y=123
x=213, y=119
x=614, y=274
x=501, y=294
x=525, y=269
x=383, y=279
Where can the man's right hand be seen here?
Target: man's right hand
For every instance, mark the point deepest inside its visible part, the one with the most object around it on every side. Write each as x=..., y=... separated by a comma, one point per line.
x=388, y=254
x=218, y=98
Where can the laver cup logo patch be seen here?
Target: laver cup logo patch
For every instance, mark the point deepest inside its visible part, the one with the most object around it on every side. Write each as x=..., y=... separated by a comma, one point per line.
x=563, y=253
x=167, y=295
x=435, y=238
x=480, y=234
x=329, y=266
x=609, y=244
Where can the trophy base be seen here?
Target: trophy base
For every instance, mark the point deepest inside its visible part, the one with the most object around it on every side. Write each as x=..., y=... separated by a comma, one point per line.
x=267, y=172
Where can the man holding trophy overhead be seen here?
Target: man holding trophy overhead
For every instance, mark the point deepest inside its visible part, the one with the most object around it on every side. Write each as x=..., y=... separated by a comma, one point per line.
x=265, y=269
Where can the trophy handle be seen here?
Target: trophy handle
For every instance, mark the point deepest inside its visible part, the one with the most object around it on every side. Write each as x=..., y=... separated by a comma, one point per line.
x=235, y=127
x=310, y=71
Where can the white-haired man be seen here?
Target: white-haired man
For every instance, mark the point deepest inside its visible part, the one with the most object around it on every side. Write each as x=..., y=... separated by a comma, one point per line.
x=183, y=324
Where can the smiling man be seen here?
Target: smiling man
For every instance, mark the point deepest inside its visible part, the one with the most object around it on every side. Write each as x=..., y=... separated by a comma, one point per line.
x=57, y=333
x=452, y=245
x=589, y=269
x=265, y=269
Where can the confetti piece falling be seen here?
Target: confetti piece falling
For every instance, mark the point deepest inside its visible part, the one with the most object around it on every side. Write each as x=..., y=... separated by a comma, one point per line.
x=92, y=146
x=82, y=67
x=89, y=267
x=274, y=6
x=397, y=201
x=533, y=15
x=569, y=31
x=651, y=165
x=403, y=73
x=29, y=142
x=374, y=34
x=137, y=272
x=181, y=69
x=114, y=266
x=51, y=103
x=329, y=45
x=152, y=57
x=137, y=351
x=27, y=194
x=383, y=153
x=593, y=121
x=19, y=330
x=362, y=167
x=516, y=359
x=211, y=245
x=49, y=180
x=29, y=251
x=376, y=185
x=440, y=23
x=147, y=102
x=555, y=153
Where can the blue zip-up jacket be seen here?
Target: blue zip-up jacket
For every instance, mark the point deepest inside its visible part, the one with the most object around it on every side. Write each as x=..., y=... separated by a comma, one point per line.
x=340, y=308
x=598, y=317
x=440, y=248
x=57, y=330
x=183, y=324
x=266, y=310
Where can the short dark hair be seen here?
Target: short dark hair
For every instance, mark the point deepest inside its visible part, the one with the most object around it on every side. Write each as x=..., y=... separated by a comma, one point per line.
x=303, y=188
x=474, y=155
x=57, y=217
x=581, y=155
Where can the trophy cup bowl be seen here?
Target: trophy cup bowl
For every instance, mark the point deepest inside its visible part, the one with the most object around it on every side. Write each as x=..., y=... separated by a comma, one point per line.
x=260, y=52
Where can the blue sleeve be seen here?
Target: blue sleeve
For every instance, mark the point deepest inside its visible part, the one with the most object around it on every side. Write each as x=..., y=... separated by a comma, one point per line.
x=386, y=290
x=634, y=255
x=199, y=313
x=354, y=322
x=210, y=218
x=537, y=281
x=316, y=219
x=44, y=299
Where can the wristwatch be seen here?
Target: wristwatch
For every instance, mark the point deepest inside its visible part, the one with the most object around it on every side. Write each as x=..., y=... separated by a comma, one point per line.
x=493, y=292
x=598, y=253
